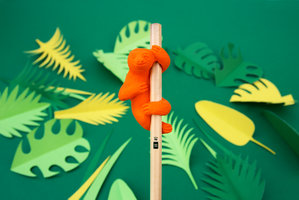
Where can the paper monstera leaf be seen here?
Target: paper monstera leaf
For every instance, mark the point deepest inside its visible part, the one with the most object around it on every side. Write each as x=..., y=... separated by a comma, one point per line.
x=235, y=70
x=19, y=111
x=52, y=149
x=232, y=177
x=198, y=60
x=136, y=34
x=261, y=91
x=99, y=109
x=178, y=145
x=55, y=53
x=232, y=125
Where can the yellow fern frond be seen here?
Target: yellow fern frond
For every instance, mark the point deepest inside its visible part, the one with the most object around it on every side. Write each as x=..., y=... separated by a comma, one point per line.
x=99, y=109
x=261, y=91
x=55, y=52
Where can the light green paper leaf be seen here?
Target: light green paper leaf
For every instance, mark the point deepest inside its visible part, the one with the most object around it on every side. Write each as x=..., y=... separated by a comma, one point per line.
x=235, y=70
x=285, y=130
x=52, y=149
x=198, y=60
x=233, y=179
x=135, y=34
x=120, y=191
x=96, y=186
x=17, y=112
x=178, y=145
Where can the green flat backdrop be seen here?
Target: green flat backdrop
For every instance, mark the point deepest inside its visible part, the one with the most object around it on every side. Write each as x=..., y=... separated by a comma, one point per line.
x=266, y=31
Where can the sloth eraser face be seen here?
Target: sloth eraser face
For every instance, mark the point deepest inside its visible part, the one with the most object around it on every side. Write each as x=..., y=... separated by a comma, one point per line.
x=141, y=59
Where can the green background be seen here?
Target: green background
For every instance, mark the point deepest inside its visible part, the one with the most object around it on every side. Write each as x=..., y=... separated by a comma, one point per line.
x=266, y=31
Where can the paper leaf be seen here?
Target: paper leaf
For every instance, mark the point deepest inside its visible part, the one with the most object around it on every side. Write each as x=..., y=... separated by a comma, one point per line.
x=114, y=62
x=39, y=82
x=198, y=60
x=178, y=145
x=232, y=125
x=100, y=109
x=233, y=179
x=261, y=91
x=18, y=111
x=121, y=191
x=96, y=186
x=53, y=149
x=235, y=70
x=80, y=192
x=135, y=34
x=285, y=130
x=56, y=52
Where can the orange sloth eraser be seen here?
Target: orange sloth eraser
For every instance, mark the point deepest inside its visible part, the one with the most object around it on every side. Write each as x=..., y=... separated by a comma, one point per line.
x=137, y=84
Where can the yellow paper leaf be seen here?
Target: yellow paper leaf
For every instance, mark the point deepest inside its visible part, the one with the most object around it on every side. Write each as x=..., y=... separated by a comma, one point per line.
x=55, y=52
x=232, y=125
x=79, y=193
x=75, y=91
x=99, y=109
x=261, y=91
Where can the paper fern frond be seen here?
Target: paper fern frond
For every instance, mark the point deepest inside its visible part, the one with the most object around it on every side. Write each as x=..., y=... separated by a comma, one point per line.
x=99, y=109
x=55, y=53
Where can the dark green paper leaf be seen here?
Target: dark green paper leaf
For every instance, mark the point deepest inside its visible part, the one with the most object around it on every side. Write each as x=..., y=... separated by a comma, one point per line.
x=235, y=70
x=198, y=60
x=285, y=130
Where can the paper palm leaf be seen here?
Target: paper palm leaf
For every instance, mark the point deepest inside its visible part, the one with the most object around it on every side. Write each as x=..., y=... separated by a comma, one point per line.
x=178, y=145
x=198, y=60
x=120, y=191
x=18, y=111
x=261, y=91
x=233, y=178
x=39, y=82
x=235, y=70
x=53, y=149
x=136, y=34
x=55, y=52
x=284, y=129
x=100, y=109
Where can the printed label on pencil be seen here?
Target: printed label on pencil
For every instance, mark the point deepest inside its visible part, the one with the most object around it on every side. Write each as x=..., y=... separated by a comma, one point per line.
x=156, y=145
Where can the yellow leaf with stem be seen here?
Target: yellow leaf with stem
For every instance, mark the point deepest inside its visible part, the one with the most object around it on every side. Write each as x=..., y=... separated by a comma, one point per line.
x=99, y=109
x=55, y=52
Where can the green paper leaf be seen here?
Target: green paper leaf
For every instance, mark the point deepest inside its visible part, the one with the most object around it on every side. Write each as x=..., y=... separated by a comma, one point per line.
x=17, y=112
x=39, y=82
x=285, y=130
x=120, y=191
x=235, y=70
x=53, y=149
x=135, y=34
x=178, y=145
x=233, y=179
x=96, y=186
x=198, y=60
x=96, y=158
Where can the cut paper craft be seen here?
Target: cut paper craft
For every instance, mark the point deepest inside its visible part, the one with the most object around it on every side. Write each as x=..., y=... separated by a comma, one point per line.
x=96, y=158
x=96, y=186
x=18, y=111
x=136, y=34
x=233, y=178
x=52, y=149
x=121, y=191
x=178, y=145
x=285, y=130
x=235, y=70
x=198, y=60
x=261, y=91
x=42, y=84
x=99, y=109
x=55, y=52
x=80, y=192
x=232, y=125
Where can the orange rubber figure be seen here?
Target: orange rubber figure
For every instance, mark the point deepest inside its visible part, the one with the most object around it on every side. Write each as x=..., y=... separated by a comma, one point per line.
x=137, y=84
